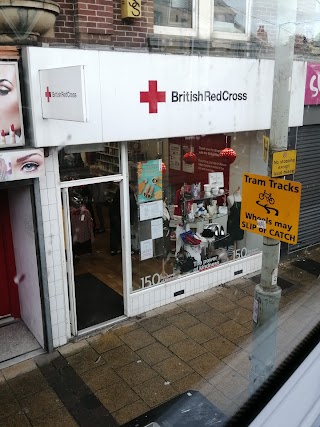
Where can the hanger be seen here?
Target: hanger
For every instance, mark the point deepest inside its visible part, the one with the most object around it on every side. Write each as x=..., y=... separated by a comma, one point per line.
x=237, y=190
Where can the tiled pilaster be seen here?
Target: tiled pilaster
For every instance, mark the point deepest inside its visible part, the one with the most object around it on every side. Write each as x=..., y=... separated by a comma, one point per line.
x=54, y=247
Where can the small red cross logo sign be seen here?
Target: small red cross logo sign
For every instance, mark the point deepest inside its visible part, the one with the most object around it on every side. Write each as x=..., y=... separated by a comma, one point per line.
x=48, y=94
x=153, y=96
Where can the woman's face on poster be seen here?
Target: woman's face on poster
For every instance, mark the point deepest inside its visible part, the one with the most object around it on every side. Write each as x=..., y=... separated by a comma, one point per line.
x=9, y=102
x=27, y=164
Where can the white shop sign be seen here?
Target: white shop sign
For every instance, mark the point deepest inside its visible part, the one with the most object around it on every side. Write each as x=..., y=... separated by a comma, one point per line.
x=147, y=96
x=63, y=93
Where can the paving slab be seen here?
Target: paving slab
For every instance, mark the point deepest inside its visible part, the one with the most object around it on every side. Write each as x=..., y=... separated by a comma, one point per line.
x=154, y=353
x=169, y=335
x=137, y=339
x=173, y=369
x=202, y=343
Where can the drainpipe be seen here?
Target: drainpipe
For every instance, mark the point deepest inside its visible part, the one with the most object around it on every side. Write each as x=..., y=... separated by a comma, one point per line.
x=268, y=293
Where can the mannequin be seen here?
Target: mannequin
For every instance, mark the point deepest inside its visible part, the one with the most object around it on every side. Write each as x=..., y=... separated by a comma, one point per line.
x=233, y=226
x=235, y=197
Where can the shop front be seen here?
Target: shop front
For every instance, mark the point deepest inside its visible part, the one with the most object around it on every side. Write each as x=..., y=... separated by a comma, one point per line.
x=148, y=174
x=22, y=324
x=305, y=140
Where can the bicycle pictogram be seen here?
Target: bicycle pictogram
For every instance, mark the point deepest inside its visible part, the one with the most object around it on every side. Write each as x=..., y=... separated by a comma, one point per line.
x=269, y=201
x=267, y=196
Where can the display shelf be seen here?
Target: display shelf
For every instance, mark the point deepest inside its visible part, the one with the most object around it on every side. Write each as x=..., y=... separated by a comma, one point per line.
x=198, y=224
x=207, y=221
x=202, y=196
x=217, y=239
x=110, y=156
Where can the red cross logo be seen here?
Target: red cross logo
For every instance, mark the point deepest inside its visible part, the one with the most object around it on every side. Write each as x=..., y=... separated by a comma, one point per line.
x=153, y=96
x=48, y=94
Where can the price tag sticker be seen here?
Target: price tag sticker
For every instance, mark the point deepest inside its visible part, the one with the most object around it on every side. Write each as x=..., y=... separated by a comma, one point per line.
x=261, y=223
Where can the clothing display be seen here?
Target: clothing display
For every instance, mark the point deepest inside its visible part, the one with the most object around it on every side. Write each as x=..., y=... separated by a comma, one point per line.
x=233, y=225
x=178, y=200
x=82, y=231
x=87, y=201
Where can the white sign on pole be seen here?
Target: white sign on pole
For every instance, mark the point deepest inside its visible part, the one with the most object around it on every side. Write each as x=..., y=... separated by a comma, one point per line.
x=63, y=94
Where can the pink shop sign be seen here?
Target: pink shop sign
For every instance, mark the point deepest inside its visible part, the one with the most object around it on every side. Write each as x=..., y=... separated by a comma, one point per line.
x=312, y=93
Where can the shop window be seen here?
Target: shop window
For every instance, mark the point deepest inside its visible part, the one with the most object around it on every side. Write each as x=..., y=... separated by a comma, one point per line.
x=220, y=18
x=80, y=162
x=188, y=202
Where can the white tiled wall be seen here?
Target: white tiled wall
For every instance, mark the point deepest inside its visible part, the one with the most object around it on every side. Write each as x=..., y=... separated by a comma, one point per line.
x=148, y=299
x=52, y=226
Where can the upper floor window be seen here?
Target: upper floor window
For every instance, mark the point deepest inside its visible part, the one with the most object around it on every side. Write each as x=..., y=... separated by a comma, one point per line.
x=203, y=19
x=173, y=13
x=230, y=16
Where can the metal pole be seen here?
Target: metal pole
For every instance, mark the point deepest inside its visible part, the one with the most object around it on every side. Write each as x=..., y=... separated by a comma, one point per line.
x=268, y=293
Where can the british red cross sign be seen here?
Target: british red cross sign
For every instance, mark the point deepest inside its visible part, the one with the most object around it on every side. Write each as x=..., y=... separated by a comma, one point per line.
x=153, y=96
x=47, y=94
x=63, y=95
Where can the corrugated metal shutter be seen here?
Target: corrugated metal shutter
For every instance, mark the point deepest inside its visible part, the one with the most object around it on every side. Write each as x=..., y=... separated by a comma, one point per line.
x=308, y=173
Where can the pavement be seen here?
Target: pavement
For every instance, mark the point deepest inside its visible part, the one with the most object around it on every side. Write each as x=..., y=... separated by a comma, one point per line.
x=200, y=343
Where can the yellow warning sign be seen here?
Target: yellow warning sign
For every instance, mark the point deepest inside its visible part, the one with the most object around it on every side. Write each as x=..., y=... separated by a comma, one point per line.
x=284, y=163
x=270, y=207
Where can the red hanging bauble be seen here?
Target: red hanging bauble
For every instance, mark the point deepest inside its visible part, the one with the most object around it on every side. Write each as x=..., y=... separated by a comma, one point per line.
x=163, y=167
x=228, y=154
x=190, y=158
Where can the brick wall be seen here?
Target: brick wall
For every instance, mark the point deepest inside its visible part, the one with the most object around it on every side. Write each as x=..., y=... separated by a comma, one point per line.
x=88, y=22
x=99, y=22
x=133, y=36
x=65, y=24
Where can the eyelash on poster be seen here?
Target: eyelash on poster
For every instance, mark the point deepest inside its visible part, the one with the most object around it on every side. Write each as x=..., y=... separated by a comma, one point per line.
x=34, y=166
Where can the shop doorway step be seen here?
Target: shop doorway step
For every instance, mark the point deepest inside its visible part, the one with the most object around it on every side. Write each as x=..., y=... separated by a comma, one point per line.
x=16, y=340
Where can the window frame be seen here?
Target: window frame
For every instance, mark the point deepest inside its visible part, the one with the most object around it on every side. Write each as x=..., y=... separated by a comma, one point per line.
x=234, y=36
x=180, y=31
x=202, y=20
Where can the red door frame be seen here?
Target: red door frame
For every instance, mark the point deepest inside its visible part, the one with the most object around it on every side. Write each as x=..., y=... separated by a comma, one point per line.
x=9, y=294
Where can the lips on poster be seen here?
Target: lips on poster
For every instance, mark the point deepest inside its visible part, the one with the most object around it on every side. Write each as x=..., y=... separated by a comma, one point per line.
x=21, y=164
x=149, y=181
x=11, y=126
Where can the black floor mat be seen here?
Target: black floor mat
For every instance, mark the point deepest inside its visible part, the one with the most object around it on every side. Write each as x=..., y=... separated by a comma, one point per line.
x=283, y=283
x=190, y=409
x=95, y=301
x=308, y=265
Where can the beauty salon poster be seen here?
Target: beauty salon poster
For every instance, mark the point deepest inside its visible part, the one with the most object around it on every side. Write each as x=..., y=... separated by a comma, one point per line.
x=11, y=125
x=21, y=164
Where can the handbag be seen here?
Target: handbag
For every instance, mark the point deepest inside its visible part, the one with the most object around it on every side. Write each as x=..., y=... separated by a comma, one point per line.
x=184, y=261
x=207, y=232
